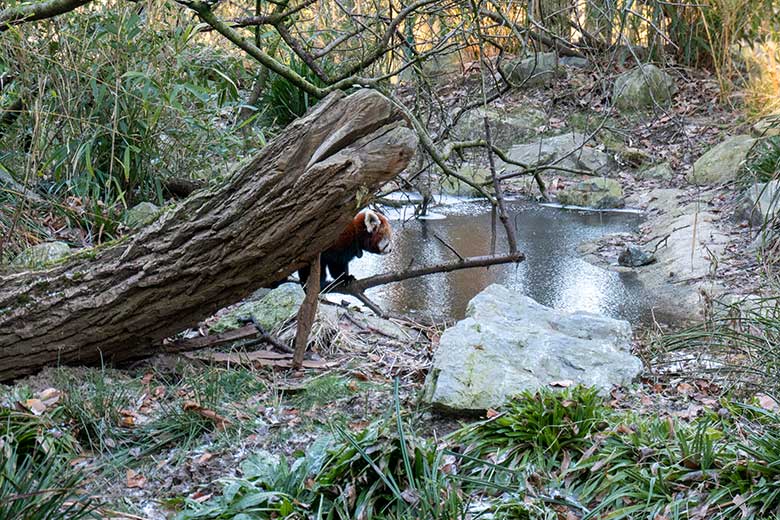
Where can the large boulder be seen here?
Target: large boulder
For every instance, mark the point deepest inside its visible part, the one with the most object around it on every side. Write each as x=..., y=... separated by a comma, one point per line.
x=567, y=151
x=509, y=343
x=270, y=309
x=643, y=87
x=507, y=127
x=38, y=256
x=721, y=163
x=538, y=70
x=594, y=193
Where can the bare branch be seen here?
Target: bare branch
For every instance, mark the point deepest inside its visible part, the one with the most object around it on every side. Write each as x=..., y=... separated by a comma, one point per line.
x=446, y=267
x=38, y=11
x=563, y=47
x=207, y=15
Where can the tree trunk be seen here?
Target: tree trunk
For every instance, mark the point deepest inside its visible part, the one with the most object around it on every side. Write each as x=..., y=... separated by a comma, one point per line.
x=278, y=211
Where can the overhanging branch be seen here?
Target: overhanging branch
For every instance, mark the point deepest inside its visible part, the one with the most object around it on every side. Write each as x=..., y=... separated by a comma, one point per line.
x=37, y=11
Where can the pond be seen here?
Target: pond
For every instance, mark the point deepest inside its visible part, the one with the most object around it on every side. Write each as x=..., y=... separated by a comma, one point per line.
x=553, y=272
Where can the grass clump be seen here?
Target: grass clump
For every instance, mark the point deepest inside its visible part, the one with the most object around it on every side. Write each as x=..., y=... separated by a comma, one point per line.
x=379, y=472
x=763, y=162
x=92, y=403
x=322, y=391
x=547, y=421
x=44, y=489
x=739, y=345
x=36, y=480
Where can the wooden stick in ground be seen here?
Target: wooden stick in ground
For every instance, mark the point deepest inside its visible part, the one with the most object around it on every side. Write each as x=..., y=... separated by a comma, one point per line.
x=307, y=313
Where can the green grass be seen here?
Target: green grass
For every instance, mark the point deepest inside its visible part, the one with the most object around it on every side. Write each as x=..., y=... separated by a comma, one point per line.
x=45, y=489
x=323, y=390
x=92, y=402
x=763, y=162
x=742, y=342
x=36, y=479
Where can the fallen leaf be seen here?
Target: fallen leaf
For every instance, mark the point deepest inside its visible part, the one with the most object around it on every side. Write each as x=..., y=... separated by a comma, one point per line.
x=135, y=480
x=220, y=422
x=358, y=425
x=204, y=458
x=35, y=406
x=767, y=403
x=49, y=396
x=492, y=413
x=200, y=496
x=684, y=388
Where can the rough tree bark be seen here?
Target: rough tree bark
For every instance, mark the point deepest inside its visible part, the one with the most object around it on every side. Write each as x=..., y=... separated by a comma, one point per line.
x=274, y=214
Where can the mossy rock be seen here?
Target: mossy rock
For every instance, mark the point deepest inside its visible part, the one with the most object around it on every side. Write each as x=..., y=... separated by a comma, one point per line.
x=721, y=163
x=140, y=215
x=476, y=174
x=643, y=87
x=270, y=311
x=593, y=193
x=534, y=71
x=41, y=254
x=662, y=171
x=507, y=127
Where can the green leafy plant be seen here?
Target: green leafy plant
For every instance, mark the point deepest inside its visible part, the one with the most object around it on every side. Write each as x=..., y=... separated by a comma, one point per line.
x=283, y=101
x=763, y=162
x=550, y=421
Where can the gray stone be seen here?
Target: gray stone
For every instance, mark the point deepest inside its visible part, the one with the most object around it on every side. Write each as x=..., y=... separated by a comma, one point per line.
x=661, y=171
x=9, y=183
x=41, y=254
x=141, y=214
x=566, y=151
x=643, y=87
x=593, y=193
x=722, y=162
x=476, y=174
x=767, y=127
x=443, y=65
x=635, y=157
x=507, y=127
x=634, y=256
x=509, y=343
x=574, y=61
x=538, y=70
x=763, y=201
x=270, y=311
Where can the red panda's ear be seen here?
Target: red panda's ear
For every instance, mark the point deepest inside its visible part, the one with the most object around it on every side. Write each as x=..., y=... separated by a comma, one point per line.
x=372, y=221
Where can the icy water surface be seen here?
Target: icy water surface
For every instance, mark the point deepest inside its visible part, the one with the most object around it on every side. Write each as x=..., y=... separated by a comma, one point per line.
x=552, y=274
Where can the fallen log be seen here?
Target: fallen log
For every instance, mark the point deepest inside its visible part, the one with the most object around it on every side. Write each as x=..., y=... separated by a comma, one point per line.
x=272, y=216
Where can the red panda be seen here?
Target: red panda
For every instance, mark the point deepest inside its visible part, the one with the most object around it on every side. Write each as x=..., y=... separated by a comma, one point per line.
x=369, y=231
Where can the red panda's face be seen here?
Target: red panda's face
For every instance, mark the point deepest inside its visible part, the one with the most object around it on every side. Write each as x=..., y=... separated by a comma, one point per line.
x=380, y=234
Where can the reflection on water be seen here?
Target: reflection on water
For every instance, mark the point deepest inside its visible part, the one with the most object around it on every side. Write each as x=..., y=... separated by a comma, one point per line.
x=552, y=274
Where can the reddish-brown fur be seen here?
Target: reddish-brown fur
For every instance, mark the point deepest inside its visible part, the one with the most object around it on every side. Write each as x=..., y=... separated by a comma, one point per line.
x=356, y=232
x=350, y=244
